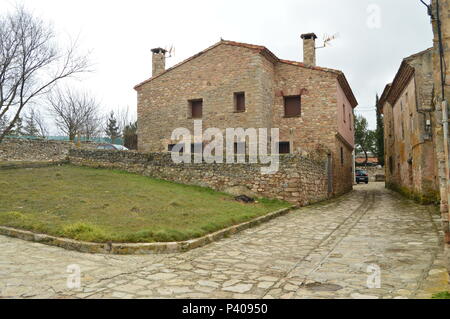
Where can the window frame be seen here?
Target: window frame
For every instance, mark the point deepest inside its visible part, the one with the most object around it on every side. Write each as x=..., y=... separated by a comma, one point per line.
x=288, y=144
x=287, y=97
x=236, y=95
x=345, y=113
x=236, y=148
x=191, y=104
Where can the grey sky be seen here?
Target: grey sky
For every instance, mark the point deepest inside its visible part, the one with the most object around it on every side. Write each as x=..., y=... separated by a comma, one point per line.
x=121, y=34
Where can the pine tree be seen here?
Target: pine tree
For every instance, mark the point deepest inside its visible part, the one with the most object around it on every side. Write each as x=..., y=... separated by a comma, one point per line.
x=130, y=136
x=379, y=134
x=30, y=128
x=112, y=129
x=17, y=130
x=4, y=121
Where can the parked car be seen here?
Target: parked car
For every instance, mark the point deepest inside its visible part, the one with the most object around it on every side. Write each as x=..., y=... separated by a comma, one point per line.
x=112, y=147
x=362, y=176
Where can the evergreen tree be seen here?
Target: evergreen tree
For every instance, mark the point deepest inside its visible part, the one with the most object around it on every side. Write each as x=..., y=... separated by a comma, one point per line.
x=31, y=128
x=4, y=121
x=379, y=134
x=17, y=129
x=130, y=136
x=112, y=129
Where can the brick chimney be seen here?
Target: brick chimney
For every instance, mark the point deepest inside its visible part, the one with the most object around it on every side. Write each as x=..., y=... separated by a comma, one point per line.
x=309, y=48
x=158, y=61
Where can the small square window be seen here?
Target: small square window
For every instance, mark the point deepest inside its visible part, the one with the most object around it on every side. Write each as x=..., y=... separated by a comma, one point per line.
x=292, y=106
x=284, y=148
x=239, y=102
x=196, y=109
x=197, y=148
x=239, y=148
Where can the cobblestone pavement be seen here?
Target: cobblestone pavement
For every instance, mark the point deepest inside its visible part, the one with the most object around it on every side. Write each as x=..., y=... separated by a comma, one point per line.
x=329, y=250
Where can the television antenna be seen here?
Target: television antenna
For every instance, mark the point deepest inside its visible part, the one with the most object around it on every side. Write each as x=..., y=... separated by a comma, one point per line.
x=327, y=40
x=170, y=51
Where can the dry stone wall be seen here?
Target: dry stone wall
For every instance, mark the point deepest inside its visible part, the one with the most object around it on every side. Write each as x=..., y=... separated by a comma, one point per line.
x=299, y=180
x=12, y=149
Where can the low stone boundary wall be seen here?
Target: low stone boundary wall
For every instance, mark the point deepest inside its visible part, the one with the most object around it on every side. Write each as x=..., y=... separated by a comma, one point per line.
x=299, y=180
x=138, y=248
x=16, y=149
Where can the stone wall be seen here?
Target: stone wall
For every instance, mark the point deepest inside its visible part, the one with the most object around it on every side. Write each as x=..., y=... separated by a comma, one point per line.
x=300, y=180
x=409, y=147
x=163, y=102
x=372, y=171
x=12, y=149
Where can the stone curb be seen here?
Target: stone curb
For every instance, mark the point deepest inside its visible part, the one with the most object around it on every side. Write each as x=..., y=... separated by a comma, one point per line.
x=138, y=248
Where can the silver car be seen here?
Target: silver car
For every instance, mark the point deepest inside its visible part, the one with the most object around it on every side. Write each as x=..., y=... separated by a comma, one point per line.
x=112, y=147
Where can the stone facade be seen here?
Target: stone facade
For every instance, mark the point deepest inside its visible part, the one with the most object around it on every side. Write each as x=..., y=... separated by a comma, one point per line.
x=408, y=123
x=12, y=149
x=216, y=74
x=441, y=94
x=300, y=180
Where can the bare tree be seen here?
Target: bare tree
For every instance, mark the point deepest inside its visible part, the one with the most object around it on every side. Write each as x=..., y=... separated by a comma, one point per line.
x=31, y=63
x=41, y=125
x=75, y=112
x=93, y=127
x=35, y=124
x=123, y=118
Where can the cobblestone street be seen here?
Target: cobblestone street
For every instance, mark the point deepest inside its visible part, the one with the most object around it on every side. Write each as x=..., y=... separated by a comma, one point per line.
x=329, y=250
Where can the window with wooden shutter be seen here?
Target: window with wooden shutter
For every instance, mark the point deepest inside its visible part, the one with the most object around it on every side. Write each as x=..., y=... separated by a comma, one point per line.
x=196, y=109
x=239, y=102
x=284, y=148
x=292, y=106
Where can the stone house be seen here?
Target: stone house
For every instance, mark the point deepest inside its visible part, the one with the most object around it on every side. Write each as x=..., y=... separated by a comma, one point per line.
x=239, y=85
x=440, y=13
x=407, y=110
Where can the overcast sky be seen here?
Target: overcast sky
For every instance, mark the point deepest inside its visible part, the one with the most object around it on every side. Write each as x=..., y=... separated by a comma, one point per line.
x=374, y=36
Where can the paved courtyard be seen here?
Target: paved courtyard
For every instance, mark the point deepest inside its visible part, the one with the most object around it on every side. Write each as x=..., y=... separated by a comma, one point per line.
x=370, y=243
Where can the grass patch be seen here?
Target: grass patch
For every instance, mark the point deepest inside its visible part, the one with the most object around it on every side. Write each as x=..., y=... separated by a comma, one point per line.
x=442, y=295
x=101, y=205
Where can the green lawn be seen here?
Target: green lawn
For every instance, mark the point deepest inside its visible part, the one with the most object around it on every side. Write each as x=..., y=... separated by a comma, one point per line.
x=442, y=295
x=105, y=205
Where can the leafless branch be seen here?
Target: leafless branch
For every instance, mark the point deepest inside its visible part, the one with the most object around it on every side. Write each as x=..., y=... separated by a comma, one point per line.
x=31, y=62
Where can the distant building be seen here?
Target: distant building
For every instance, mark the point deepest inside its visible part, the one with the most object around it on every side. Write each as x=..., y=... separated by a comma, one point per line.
x=360, y=159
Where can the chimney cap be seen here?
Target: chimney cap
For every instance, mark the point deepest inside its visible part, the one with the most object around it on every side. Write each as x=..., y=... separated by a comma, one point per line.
x=159, y=50
x=306, y=36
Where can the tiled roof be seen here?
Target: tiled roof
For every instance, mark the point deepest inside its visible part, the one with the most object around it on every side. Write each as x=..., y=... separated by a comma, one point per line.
x=263, y=50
